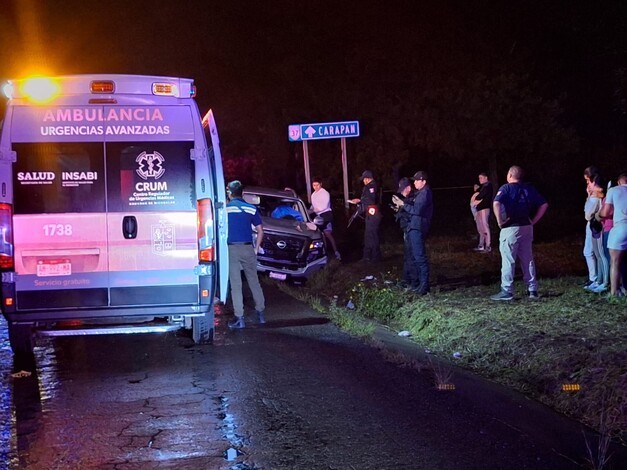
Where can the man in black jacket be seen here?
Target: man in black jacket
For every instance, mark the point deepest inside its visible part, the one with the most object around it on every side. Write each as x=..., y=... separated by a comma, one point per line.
x=420, y=209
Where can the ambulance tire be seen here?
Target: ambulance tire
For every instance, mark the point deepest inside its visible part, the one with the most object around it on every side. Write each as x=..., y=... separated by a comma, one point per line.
x=21, y=338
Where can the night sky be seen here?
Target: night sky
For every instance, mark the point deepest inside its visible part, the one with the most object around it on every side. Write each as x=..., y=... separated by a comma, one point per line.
x=262, y=65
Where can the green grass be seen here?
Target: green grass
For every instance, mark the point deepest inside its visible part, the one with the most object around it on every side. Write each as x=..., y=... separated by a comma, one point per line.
x=567, y=337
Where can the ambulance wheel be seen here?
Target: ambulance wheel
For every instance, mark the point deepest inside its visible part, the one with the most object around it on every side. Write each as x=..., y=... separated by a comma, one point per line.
x=21, y=338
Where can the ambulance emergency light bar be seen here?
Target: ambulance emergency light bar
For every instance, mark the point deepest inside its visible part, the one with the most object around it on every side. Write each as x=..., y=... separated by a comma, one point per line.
x=45, y=89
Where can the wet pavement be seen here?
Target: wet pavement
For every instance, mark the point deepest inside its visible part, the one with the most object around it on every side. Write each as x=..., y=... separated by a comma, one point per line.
x=296, y=393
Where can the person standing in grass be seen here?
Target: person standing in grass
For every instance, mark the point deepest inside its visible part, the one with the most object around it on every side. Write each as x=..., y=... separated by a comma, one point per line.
x=368, y=205
x=596, y=228
x=589, y=175
x=518, y=207
x=410, y=272
x=607, y=226
x=420, y=210
x=616, y=208
x=483, y=204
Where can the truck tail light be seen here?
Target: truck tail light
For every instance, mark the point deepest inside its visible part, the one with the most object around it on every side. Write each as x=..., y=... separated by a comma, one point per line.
x=206, y=231
x=6, y=237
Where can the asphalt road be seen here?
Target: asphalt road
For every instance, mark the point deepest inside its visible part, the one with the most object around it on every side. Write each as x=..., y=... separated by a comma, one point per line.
x=296, y=393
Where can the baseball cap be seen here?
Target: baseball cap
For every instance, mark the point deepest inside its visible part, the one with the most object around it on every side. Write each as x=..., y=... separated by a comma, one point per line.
x=403, y=183
x=420, y=175
x=366, y=174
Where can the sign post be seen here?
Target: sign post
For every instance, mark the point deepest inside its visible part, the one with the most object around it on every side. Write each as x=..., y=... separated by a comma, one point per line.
x=344, y=171
x=324, y=130
x=307, y=172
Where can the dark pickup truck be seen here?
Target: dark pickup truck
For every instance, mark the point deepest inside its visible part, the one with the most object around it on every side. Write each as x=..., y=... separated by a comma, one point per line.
x=293, y=247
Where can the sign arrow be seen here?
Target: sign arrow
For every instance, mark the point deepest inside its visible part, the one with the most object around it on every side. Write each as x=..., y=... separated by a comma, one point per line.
x=310, y=131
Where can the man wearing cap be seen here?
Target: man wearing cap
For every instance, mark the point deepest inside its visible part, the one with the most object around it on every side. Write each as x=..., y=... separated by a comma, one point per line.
x=242, y=217
x=420, y=210
x=368, y=204
x=517, y=207
x=410, y=273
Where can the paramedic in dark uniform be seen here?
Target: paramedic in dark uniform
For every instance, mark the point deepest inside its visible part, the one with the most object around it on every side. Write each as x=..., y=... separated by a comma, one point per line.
x=369, y=207
x=420, y=209
x=242, y=217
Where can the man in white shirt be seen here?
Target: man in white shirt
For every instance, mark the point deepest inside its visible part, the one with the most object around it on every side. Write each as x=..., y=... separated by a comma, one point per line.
x=321, y=205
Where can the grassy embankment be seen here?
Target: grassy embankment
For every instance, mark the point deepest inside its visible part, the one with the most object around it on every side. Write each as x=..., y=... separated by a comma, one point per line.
x=567, y=337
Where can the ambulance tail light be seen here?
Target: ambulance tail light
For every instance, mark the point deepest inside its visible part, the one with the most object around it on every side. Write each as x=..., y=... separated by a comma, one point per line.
x=6, y=237
x=102, y=86
x=206, y=231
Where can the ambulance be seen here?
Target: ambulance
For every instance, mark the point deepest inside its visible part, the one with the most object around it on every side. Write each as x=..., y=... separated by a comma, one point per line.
x=112, y=208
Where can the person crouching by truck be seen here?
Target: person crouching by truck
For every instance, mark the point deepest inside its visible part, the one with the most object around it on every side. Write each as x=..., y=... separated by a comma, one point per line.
x=368, y=204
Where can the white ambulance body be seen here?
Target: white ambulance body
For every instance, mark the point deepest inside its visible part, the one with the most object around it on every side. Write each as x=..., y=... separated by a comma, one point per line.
x=112, y=208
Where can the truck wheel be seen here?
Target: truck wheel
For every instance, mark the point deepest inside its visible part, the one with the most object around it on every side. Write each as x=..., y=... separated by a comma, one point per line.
x=21, y=338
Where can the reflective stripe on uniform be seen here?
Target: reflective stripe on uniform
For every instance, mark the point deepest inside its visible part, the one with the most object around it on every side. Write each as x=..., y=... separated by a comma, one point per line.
x=240, y=209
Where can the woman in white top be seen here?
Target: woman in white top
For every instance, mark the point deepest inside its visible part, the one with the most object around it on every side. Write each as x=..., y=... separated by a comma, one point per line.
x=616, y=208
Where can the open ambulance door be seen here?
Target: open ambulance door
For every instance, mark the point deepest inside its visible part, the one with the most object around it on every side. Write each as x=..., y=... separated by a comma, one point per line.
x=220, y=207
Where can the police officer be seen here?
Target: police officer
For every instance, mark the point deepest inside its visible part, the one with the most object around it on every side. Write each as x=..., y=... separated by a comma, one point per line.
x=420, y=210
x=405, y=194
x=242, y=216
x=369, y=206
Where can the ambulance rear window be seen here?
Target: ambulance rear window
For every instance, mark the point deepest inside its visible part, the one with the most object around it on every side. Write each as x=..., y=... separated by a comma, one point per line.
x=59, y=177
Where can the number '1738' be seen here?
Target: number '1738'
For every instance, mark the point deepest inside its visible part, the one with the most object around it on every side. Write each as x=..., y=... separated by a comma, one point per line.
x=57, y=230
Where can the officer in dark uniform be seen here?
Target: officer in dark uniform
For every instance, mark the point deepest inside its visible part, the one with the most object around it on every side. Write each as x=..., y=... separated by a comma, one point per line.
x=369, y=207
x=420, y=210
x=405, y=194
